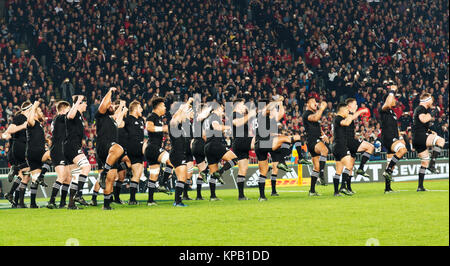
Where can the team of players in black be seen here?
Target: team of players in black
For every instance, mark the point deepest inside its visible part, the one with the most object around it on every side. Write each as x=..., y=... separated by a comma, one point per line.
x=122, y=147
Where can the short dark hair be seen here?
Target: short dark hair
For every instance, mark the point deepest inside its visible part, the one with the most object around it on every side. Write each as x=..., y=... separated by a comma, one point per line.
x=25, y=105
x=349, y=100
x=238, y=100
x=341, y=105
x=61, y=105
x=155, y=101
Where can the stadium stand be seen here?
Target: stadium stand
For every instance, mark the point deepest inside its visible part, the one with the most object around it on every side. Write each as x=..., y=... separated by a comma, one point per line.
x=50, y=50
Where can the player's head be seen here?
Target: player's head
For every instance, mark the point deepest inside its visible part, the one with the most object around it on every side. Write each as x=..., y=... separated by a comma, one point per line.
x=158, y=106
x=62, y=107
x=393, y=103
x=342, y=109
x=39, y=115
x=351, y=104
x=26, y=106
x=312, y=104
x=135, y=108
x=218, y=109
x=83, y=105
x=426, y=100
x=239, y=105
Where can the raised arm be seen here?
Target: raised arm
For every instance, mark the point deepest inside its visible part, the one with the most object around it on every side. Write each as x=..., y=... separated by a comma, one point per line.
x=242, y=120
x=390, y=98
x=350, y=118
x=30, y=116
x=106, y=101
x=15, y=128
x=120, y=112
x=73, y=111
x=317, y=115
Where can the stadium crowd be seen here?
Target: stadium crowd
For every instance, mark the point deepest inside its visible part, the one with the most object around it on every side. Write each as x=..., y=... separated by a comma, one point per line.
x=51, y=50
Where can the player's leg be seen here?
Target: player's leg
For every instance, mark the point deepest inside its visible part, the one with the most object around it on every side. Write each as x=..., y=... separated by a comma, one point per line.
x=137, y=170
x=350, y=175
x=181, y=173
x=242, y=173
x=201, y=178
x=95, y=192
x=321, y=149
x=367, y=149
x=347, y=161
x=168, y=170
x=397, y=151
x=274, y=174
x=263, y=166
x=73, y=189
x=45, y=167
x=424, y=164
x=65, y=186
x=212, y=182
x=60, y=173
x=190, y=172
x=154, y=173
x=117, y=186
x=436, y=143
x=35, y=175
x=85, y=167
x=110, y=178
x=230, y=159
x=337, y=176
x=115, y=152
x=22, y=187
x=315, y=174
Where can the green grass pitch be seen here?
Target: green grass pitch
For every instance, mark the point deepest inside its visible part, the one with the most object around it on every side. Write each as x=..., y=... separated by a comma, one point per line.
x=293, y=218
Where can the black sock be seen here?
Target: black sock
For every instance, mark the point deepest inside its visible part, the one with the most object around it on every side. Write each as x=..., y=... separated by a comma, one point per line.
x=273, y=182
x=298, y=147
x=15, y=185
x=17, y=195
x=212, y=187
x=94, y=195
x=55, y=190
x=421, y=176
x=228, y=165
x=151, y=190
x=45, y=168
x=349, y=182
x=392, y=164
x=322, y=162
x=64, y=191
x=344, y=180
x=314, y=176
x=81, y=180
x=240, y=184
x=72, y=193
x=22, y=188
x=199, y=187
x=168, y=170
x=133, y=189
x=116, y=190
x=262, y=185
x=365, y=157
x=107, y=200
x=387, y=185
x=179, y=187
x=336, y=183
x=33, y=189
x=186, y=188
x=434, y=154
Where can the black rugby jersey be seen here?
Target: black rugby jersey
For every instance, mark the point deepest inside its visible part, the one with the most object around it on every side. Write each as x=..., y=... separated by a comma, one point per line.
x=75, y=129
x=419, y=128
x=19, y=136
x=58, y=130
x=313, y=130
x=155, y=138
x=339, y=131
x=107, y=131
x=389, y=124
x=35, y=137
